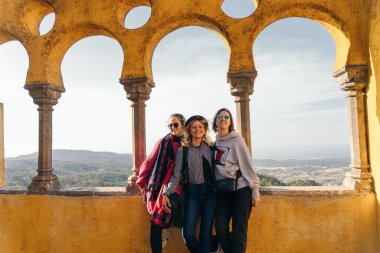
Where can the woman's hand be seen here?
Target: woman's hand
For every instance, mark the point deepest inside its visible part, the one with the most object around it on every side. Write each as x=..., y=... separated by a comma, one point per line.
x=256, y=201
x=166, y=204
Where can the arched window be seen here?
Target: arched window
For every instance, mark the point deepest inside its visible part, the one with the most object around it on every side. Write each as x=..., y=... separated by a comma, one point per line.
x=189, y=68
x=20, y=121
x=299, y=113
x=93, y=114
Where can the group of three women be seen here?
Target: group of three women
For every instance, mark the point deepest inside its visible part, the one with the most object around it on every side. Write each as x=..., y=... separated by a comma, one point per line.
x=186, y=161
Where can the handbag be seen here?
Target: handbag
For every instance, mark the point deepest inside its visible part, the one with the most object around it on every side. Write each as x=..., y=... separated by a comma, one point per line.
x=227, y=184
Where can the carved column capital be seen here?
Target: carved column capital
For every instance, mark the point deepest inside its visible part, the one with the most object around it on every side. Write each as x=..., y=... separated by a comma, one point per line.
x=242, y=83
x=137, y=88
x=352, y=78
x=45, y=94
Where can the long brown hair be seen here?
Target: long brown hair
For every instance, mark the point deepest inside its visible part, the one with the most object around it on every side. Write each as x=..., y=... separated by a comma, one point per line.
x=231, y=126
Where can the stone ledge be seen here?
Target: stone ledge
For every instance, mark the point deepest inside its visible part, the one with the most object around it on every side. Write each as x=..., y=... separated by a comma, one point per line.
x=120, y=191
x=309, y=190
x=75, y=191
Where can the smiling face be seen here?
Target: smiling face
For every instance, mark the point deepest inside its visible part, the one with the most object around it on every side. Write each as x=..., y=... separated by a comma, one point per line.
x=175, y=126
x=197, y=130
x=223, y=121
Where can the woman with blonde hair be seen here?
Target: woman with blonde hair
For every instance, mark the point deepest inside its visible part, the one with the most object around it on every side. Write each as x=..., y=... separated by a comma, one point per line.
x=193, y=166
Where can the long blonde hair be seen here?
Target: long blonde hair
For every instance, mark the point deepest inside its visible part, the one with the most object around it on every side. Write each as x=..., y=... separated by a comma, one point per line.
x=187, y=137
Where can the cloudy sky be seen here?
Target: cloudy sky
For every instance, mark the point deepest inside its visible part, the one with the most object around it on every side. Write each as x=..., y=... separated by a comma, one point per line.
x=297, y=109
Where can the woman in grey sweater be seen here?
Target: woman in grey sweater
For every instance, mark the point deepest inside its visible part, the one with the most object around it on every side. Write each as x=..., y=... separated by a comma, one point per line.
x=199, y=183
x=232, y=159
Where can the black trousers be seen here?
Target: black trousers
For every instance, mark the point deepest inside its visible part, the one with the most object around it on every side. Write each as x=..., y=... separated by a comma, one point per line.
x=236, y=206
x=155, y=237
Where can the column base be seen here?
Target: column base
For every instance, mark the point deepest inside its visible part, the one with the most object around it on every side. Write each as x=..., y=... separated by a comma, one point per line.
x=132, y=187
x=358, y=180
x=44, y=184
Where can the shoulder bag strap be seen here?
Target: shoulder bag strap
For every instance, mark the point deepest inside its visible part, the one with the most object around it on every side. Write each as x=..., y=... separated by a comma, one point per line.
x=185, y=171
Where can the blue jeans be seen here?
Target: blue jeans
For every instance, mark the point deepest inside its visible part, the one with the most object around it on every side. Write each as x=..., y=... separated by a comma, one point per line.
x=236, y=206
x=200, y=200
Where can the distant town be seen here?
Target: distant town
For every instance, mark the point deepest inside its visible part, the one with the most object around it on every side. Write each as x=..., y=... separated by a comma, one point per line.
x=83, y=168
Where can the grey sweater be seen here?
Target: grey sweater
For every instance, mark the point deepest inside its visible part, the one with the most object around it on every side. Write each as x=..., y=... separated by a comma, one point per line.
x=231, y=155
x=195, y=166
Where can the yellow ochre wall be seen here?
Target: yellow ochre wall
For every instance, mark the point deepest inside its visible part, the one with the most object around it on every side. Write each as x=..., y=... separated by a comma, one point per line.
x=373, y=101
x=284, y=223
x=91, y=224
x=75, y=20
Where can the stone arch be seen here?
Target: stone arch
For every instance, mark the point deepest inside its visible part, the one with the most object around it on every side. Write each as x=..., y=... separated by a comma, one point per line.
x=296, y=61
x=6, y=37
x=192, y=73
x=335, y=25
x=32, y=13
x=351, y=72
x=16, y=132
x=59, y=45
x=86, y=69
x=199, y=21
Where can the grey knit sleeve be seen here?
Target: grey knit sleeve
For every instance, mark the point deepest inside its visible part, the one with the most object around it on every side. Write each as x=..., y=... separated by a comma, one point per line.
x=246, y=167
x=176, y=177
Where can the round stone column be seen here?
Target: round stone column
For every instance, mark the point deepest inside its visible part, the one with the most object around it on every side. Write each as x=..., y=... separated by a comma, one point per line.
x=45, y=96
x=138, y=91
x=353, y=80
x=242, y=84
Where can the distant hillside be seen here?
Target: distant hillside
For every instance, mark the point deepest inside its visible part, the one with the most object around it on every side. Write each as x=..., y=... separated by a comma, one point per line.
x=90, y=169
x=78, y=155
x=320, y=162
x=74, y=168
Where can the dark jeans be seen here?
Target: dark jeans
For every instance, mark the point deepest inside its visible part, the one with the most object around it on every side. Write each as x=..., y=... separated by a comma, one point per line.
x=200, y=200
x=236, y=206
x=155, y=238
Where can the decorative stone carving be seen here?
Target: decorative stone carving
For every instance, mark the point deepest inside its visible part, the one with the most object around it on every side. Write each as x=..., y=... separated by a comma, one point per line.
x=138, y=91
x=241, y=83
x=45, y=96
x=353, y=79
x=137, y=88
x=242, y=86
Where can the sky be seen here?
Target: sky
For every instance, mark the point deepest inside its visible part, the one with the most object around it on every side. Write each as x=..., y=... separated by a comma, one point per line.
x=297, y=108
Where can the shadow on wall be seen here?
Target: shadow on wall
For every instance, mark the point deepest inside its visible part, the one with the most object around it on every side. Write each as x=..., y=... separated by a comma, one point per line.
x=378, y=224
x=374, y=75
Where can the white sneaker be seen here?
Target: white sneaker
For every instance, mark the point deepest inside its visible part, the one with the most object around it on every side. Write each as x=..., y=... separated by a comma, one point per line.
x=165, y=235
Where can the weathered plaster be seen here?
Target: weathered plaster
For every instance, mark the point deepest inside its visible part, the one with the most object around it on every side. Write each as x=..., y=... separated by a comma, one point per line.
x=303, y=220
x=79, y=19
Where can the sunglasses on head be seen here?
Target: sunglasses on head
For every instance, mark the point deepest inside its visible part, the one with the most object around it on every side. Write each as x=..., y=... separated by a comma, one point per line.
x=225, y=117
x=175, y=125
